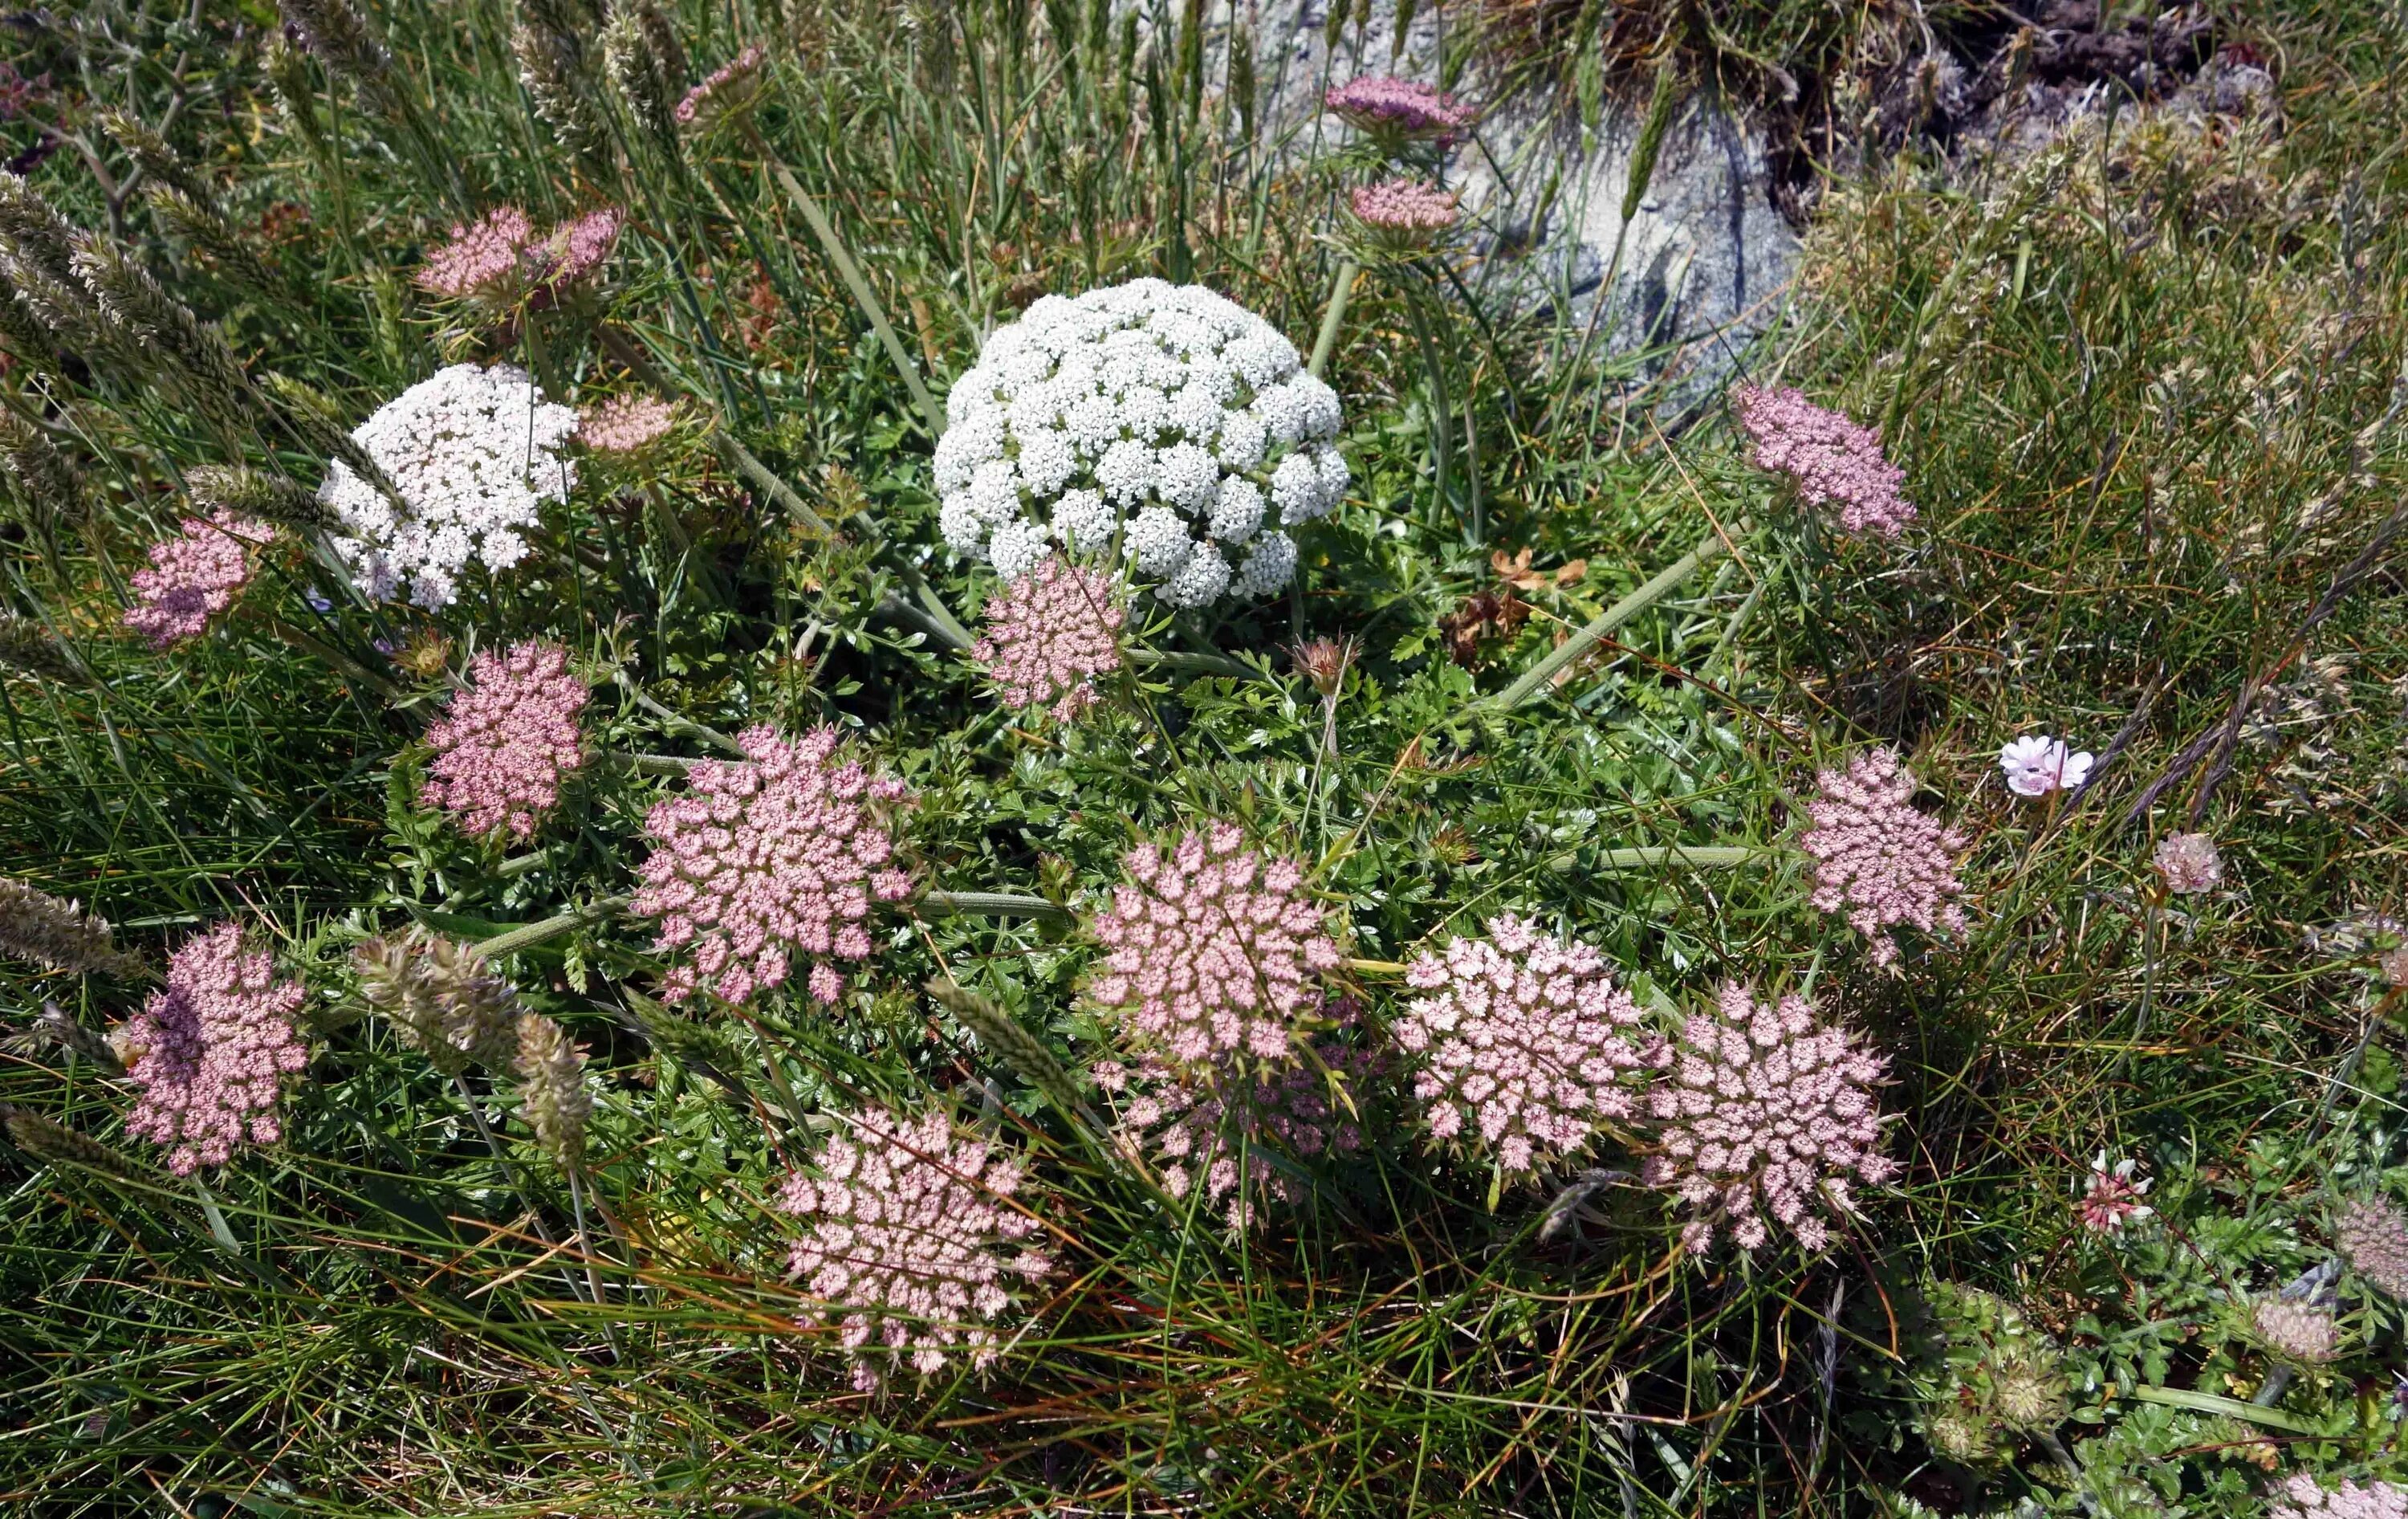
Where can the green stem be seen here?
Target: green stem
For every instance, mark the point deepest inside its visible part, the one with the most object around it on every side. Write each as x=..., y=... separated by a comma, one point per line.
x=995, y=905
x=751, y=468
x=678, y=720
x=1341, y=287
x=1649, y=856
x=1441, y=413
x=1202, y=664
x=1536, y=678
x=863, y=296
x=525, y=936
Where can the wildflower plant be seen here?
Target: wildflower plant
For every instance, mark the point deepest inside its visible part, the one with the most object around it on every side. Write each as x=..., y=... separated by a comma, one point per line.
x=1050, y=633
x=1395, y=112
x=193, y=577
x=1163, y=420
x=2303, y=1495
x=1834, y=465
x=209, y=1051
x=914, y=1240
x=2371, y=1234
x=1877, y=858
x=506, y=741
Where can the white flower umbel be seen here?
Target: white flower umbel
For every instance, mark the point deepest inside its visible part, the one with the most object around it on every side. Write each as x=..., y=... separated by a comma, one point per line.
x=1162, y=413
x=475, y=454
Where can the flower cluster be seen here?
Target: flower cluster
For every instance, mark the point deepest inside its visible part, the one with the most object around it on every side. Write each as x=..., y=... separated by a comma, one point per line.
x=440, y=998
x=1049, y=634
x=1164, y=415
x=1767, y=1103
x=1522, y=1043
x=1832, y=461
x=56, y=933
x=507, y=739
x=761, y=859
x=626, y=424
x=2111, y=1198
x=911, y=1239
x=1402, y=217
x=2373, y=1234
x=474, y=454
x=1223, y=1128
x=209, y=1051
x=2036, y=764
x=1876, y=858
x=192, y=577
x=727, y=90
x=1212, y=949
x=500, y=260
x=2190, y=863
x=2304, y=1498
x=2299, y=1330
x=1399, y=111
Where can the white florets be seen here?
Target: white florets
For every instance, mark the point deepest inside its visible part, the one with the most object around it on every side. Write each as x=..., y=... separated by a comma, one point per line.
x=1164, y=413
x=475, y=454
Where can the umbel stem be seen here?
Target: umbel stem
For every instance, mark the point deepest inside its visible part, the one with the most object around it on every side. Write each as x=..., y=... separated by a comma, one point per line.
x=1536, y=679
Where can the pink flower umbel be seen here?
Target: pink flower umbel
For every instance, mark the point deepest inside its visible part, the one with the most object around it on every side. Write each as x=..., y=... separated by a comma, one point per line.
x=731, y=87
x=1521, y=1042
x=1398, y=111
x=2111, y=1196
x=1223, y=1127
x=911, y=1241
x=2190, y=863
x=574, y=251
x=2371, y=1234
x=483, y=261
x=209, y=1052
x=626, y=424
x=1876, y=858
x=763, y=860
x=1212, y=949
x=506, y=741
x=2302, y=1496
x=2298, y=1331
x=2036, y=764
x=1049, y=634
x=1768, y=1111
x=192, y=577
x=1403, y=216
x=1834, y=464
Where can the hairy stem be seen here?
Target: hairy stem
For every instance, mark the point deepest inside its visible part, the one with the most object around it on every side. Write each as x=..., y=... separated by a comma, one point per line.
x=1341, y=287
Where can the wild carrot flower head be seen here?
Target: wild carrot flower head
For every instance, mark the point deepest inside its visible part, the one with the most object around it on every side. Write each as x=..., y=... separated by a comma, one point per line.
x=2297, y=1330
x=729, y=91
x=911, y=1241
x=1766, y=1109
x=441, y=997
x=1834, y=464
x=2111, y=1196
x=484, y=260
x=192, y=577
x=573, y=252
x=1876, y=858
x=2302, y=1496
x=2190, y=863
x=475, y=454
x=1165, y=416
x=209, y=1053
x=57, y=935
x=1402, y=217
x=1398, y=111
x=779, y=854
x=2036, y=764
x=507, y=739
x=1049, y=634
x=1521, y=1043
x=1230, y=1130
x=2373, y=1234
x=1212, y=949
x=626, y=424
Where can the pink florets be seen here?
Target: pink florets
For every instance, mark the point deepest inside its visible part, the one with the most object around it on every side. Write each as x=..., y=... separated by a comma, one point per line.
x=1404, y=205
x=2111, y=1195
x=193, y=577
x=2304, y=1498
x=2190, y=863
x=507, y=739
x=1832, y=461
x=911, y=1239
x=1224, y=1127
x=731, y=85
x=1212, y=949
x=209, y=1051
x=1398, y=110
x=499, y=259
x=1049, y=634
x=1876, y=858
x=1767, y=1105
x=759, y=861
x=1522, y=1043
x=624, y=423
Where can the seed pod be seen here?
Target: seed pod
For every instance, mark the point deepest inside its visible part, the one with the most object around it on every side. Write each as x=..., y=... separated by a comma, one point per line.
x=57, y=935
x=59, y=1145
x=440, y=1000
x=553, y=1094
